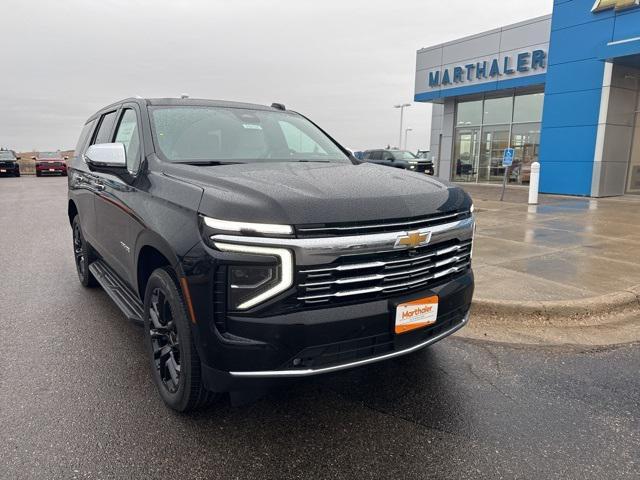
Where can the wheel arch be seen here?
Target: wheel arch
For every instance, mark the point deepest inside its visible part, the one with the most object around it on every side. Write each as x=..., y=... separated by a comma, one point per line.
x=72, y=211
x=153, y=252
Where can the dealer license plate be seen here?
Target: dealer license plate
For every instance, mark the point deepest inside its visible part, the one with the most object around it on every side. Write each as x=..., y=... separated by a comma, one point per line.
x=417, y=314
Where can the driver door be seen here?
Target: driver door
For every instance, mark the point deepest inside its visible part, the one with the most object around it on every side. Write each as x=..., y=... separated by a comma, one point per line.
x=387, y=159
x=118, y=198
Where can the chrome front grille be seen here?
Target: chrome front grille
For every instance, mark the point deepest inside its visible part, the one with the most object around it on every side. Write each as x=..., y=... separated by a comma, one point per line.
x=368, y=228
x=353, y=277
x=355, y=268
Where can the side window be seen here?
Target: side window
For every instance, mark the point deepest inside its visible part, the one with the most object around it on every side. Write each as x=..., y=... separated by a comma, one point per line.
x=104, y=130
x=366, y=156
x=127, y=134
x=377, y=155
x=387, y=156
x=298, y=141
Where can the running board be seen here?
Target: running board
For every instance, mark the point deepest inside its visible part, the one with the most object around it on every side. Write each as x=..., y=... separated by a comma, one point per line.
x=123, y=296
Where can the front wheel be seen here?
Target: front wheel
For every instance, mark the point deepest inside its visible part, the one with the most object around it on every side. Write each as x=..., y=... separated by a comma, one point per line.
x=174, y=361
x=83, y=255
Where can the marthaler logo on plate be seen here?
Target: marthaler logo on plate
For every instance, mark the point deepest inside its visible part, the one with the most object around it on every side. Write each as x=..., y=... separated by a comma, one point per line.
x=413, y=239
x=602, y=5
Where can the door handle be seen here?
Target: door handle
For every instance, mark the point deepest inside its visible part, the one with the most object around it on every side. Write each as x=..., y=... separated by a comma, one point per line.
x=100, y=186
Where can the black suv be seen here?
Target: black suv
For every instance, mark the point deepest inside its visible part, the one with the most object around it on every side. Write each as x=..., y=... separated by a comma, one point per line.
x=9, y=163
x=253, y=248
x=399, y=159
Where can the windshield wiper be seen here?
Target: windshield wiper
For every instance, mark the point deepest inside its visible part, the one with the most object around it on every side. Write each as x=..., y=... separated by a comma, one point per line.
x=206, y=163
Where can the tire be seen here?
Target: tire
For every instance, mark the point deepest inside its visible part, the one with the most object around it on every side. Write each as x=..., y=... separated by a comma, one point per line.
x=38, y=174
x=83, y=255
x=173, y=358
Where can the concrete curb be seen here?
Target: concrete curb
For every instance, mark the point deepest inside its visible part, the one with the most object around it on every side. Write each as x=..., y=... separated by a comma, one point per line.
x=592, y=311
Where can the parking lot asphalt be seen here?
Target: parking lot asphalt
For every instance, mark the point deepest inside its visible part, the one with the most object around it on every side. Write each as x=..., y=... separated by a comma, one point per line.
x=77, y=401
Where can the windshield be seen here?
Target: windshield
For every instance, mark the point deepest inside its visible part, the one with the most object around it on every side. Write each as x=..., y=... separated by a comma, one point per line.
x=48, y=155
x=4, y=155
x=402, y=155
x=238, y=135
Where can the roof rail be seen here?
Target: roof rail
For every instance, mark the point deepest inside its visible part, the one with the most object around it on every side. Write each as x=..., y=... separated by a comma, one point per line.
x=279, y=106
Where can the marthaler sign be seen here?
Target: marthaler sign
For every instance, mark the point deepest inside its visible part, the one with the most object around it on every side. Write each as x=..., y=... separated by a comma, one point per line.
x=489, y=69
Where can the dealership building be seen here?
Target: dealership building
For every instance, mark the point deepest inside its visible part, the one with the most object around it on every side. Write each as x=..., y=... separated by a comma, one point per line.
x=562, y=89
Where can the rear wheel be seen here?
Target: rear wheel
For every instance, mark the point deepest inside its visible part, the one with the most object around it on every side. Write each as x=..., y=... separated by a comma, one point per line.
x=83, y=255
x=38, y=174
x=175, y=364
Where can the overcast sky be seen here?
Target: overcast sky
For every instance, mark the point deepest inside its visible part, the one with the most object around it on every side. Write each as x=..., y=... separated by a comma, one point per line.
x=344, y=63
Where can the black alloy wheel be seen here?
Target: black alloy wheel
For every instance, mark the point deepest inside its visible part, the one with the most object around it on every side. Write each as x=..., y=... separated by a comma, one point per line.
x=82, y=255
x=174, y=360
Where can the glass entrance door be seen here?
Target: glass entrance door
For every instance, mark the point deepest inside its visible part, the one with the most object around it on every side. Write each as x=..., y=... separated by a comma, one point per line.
x=633, y=185
x=466, y=154
x=495, y=139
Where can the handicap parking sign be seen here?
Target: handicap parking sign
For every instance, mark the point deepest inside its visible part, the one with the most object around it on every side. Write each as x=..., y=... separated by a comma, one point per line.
x=507, y=160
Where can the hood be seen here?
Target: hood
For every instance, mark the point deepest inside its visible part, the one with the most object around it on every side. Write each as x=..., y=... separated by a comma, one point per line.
x=297, y=193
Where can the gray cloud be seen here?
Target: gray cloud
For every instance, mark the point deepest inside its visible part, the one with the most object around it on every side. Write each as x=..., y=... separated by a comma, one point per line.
x=343, y=63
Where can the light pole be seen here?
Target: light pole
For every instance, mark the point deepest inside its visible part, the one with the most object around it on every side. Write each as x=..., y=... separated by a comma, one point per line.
x=401, y=107
x=406, y=133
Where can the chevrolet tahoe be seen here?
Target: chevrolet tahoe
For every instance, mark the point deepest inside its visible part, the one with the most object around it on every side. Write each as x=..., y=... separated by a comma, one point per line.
x=254, y=249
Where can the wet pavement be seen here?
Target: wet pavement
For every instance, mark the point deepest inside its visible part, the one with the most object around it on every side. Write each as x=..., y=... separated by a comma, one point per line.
x=565, y=248
x=76, y=398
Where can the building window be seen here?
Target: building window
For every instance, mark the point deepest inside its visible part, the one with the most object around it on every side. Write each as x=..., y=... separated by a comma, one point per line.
x=469, y=113
x=528, y=108
x=498, y=110
x=525, y=140
x=485, y=128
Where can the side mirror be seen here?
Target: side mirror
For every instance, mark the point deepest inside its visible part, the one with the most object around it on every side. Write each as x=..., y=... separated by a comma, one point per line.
x=18, y=158
x=33, y=158
x=66, y=157
x=106, y=155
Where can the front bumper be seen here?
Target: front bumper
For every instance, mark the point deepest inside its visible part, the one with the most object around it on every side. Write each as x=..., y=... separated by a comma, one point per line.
x=51, y=170
x=454, y=327
x=323, y=341
x=421, y=168
x=9, y=170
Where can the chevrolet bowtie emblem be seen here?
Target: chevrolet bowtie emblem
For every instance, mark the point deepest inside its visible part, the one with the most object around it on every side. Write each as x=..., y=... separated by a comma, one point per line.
x=413, y=239
x=602, y=5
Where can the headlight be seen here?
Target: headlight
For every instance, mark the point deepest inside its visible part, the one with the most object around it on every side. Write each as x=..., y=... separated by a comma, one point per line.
x=254, y=284
x=244, y=227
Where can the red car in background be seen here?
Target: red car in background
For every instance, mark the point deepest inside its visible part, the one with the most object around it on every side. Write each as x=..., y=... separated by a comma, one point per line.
x=50, y=163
